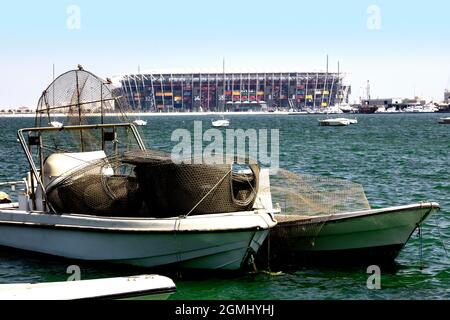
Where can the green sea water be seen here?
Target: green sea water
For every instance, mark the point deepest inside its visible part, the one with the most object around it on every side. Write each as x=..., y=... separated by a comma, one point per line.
x=399, y=159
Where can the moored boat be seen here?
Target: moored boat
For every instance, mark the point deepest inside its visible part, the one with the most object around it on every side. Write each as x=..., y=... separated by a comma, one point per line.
x=220, y=123
x=337, y=122
x=142, y=287
x=140, y=122
x=330, y=221
x=84, y=199
x=445, y=120
x=375, y=235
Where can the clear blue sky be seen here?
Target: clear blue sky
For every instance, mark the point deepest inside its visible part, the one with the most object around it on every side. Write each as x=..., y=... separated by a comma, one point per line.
x=410, y=51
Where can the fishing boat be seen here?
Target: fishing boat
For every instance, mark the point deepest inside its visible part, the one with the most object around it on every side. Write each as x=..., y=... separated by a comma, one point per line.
x=377, y=234
x=142, y=287
x=330, y=221
x=95, y=192
x=445, y=120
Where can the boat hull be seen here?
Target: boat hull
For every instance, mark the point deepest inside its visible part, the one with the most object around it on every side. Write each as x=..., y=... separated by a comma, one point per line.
x=142, y=287
x=145, y=242
x=372, y=235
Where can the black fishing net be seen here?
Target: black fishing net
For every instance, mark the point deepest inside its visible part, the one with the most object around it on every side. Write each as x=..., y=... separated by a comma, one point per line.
x=150, y=184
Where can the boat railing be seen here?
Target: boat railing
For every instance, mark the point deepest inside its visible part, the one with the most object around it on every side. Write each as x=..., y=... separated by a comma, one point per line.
x=37, y=170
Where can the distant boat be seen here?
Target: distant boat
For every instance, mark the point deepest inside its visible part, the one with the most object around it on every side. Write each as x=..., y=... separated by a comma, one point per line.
x=444, y=120
x=56, y=124
x=221, y=123
x=140, y=122
x=336, y=122
x=142, y=287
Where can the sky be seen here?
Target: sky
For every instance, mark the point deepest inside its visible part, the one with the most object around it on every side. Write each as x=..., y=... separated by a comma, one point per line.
x=402, y=47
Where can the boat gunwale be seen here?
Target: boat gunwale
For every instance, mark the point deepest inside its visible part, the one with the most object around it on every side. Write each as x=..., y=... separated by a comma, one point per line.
x=330, y=218
x=260, y=222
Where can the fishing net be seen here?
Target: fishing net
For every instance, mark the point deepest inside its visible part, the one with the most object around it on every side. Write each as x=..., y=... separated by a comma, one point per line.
x=307, y=203
x=79, y=97
x=308, y=195
x=149, y=183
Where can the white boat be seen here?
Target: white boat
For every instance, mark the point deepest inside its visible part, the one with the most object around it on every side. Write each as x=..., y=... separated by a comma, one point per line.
x=89, y=204
x=140, y=122
x=56, y=124
x=142, y=287
x=334, y=122
x=377, y=234
x=221, y=123
x=445, y=120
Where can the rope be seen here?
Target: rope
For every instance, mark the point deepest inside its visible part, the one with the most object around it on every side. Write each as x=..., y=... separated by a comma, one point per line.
x=440, y=236
x=207, y=194
x=420, y=245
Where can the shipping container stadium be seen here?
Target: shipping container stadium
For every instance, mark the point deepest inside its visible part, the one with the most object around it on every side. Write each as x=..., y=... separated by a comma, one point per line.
x=233, y=91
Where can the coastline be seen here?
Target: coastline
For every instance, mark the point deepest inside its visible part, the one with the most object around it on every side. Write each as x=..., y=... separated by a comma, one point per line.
x=206, y=114
x=156, y=114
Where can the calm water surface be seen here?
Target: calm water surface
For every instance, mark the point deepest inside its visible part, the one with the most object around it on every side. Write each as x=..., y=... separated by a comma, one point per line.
x=399, y=159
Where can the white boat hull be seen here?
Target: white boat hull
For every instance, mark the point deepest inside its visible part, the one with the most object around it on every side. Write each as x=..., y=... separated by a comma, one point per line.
x=142, y=287
x=200, y=242
x=335, y=122
x=221, y=123
x=379, y=233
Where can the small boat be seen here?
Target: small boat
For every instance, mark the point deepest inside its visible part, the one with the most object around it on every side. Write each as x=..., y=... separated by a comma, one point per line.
x=337, y=122
x=140, y=122
x=142, y=287
x=445, y=120
x=221, y=123
x=56, y=124
x=107, y=198
x=360, y=236
x=330, y=220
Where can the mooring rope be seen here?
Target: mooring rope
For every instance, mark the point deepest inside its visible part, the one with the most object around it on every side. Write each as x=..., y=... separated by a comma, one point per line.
x=440, y=236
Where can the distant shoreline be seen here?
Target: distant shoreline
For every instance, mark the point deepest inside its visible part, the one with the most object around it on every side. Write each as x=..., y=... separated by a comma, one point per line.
x=205, y=114
x=151, y=114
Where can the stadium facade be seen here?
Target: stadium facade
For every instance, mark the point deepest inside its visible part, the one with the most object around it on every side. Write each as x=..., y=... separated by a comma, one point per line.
x=236, y=91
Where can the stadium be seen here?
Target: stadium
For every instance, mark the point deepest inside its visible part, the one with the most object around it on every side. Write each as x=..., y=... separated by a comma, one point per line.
x=233, y=91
